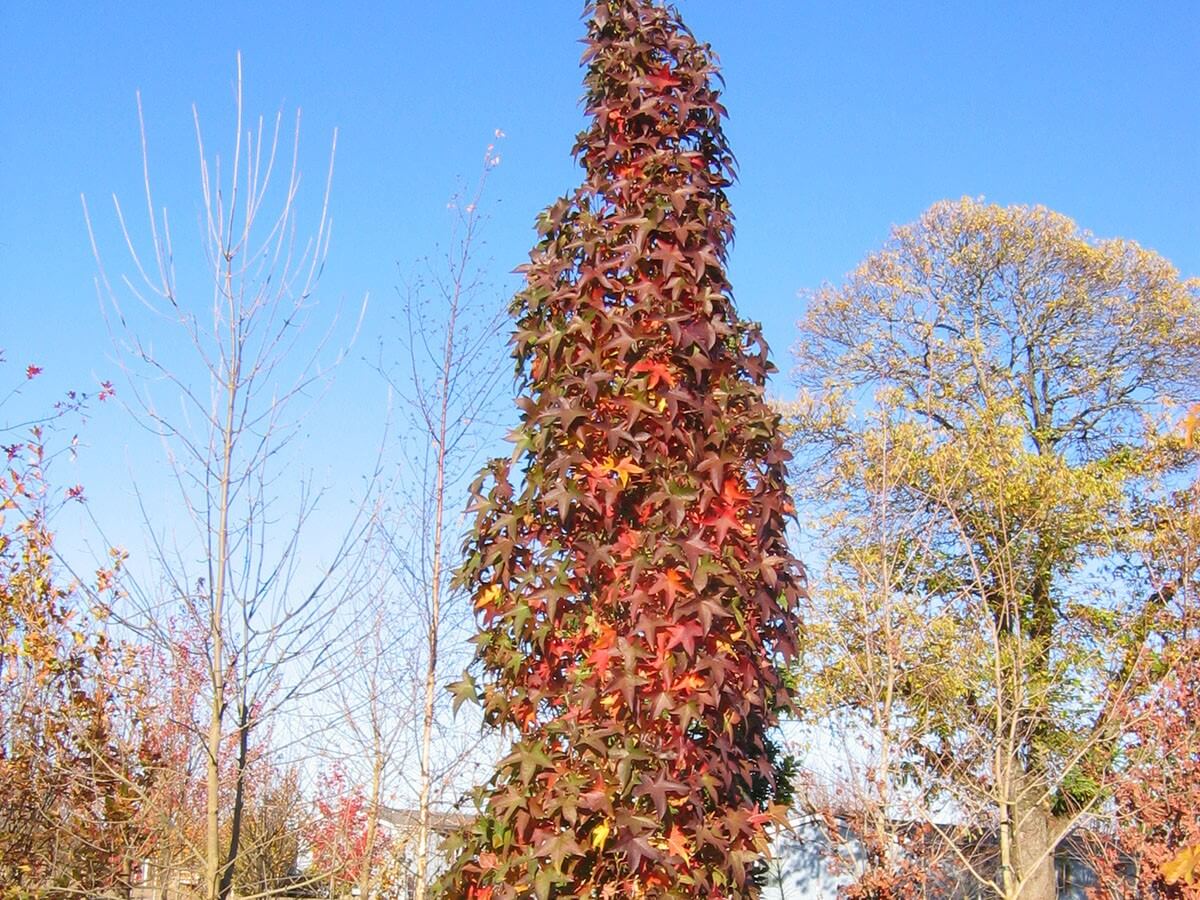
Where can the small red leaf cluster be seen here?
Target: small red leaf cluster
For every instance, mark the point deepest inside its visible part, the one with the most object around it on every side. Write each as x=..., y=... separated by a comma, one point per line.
x=628, y=562
x=1158, y=794
x=338, y=836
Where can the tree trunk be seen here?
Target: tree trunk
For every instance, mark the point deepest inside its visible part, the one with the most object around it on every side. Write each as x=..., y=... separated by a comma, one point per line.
x=1008, y=880
x=435, y=600
x=423, y=812
x=239, y=803
x=1035, y=831
x=212, y=841
x=1035, y=839
x=218, y=569
x=366, y=873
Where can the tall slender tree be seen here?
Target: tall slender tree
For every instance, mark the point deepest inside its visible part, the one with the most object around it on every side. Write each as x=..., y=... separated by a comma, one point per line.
x=265, y=610
x=628, y=561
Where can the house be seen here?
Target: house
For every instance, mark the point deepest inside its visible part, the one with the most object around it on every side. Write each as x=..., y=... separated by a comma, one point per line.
x=402, y=827
x=813, y=864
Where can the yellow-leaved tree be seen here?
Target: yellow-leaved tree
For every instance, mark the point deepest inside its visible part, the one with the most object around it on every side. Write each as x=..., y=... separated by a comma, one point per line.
x=983, y=419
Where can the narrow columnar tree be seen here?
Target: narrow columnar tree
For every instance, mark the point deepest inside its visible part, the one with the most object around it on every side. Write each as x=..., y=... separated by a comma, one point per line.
x=629, y=562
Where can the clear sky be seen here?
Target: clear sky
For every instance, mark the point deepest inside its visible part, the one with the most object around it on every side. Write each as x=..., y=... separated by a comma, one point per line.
x=846, y=119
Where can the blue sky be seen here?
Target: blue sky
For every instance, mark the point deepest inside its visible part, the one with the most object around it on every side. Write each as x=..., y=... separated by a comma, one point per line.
x=845, y=118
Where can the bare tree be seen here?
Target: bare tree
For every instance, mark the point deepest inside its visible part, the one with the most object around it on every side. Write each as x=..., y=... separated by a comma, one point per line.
x=377, y=706
x=445, y=375
x=240, y=371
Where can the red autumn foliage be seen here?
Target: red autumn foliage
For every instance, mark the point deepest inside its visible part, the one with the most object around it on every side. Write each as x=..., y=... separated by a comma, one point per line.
x=629, y=562
x=1158, y=793
x=337, y=835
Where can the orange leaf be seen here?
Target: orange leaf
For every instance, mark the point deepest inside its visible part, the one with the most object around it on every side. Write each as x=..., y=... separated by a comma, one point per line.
x=1183, y=868
x=488, y=596
x=625, y=468
x=656, y=372
x=1191, y=426
x=677, y=843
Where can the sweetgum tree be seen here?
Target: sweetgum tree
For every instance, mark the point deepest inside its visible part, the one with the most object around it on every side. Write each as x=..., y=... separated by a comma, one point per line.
x=628, y=562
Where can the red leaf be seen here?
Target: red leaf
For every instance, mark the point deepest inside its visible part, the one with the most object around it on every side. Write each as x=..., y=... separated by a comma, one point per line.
x=663, y=79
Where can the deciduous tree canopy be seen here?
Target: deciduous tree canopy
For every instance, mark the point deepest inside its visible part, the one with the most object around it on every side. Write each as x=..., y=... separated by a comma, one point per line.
x=985, y=420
